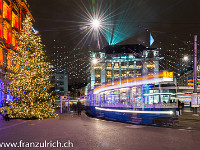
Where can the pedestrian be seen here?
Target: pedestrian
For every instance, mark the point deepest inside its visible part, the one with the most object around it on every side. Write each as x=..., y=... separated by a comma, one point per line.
x=179, y=107
x=79, y=107
x=7, y=109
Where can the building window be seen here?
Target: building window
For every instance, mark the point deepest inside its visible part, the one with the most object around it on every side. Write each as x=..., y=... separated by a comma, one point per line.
x=138, y=64
x=123, y=64
x=131, y=64
x=97, y=73
x=116, y=65
x=109, y=73
x=109, y=65
x=116, y=73
x=1, y=56
x=61, y=77
x=123, y=73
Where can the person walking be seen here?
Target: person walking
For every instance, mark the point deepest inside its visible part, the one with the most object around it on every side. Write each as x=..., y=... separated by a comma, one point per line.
x=79, y=107
x=7, y=109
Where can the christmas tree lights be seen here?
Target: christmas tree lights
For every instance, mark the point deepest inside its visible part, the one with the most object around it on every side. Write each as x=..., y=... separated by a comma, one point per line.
x=29, y=76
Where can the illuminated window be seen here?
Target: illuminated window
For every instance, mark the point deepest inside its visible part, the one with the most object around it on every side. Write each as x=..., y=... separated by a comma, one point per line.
x=123, y=73
x=15, y=21
x=1, y=5
x=116, y=73
x=109, y=65
x=116, y=65
x=1, y=30
x=6, y=11
x=14, y=39
x=6, y=32
x=109, y=73
x=1, y=56
x=123, y=64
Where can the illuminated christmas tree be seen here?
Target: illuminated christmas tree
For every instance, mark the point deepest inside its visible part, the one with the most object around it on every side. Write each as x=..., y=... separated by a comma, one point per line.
x=29, y=77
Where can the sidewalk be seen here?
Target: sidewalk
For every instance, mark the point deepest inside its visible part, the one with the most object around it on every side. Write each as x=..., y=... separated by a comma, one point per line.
x=189, y=121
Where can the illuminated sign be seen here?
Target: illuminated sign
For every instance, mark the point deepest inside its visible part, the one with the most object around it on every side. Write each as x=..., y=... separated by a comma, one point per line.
x=167, y=74
x=191, y=81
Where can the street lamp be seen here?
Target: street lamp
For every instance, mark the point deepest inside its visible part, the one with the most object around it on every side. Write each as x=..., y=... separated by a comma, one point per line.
x=94, y=61
x=95, y=23
x=185, y=58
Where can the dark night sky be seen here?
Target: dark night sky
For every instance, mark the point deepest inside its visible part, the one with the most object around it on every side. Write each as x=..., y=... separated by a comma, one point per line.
x=169, y=21
x=54, y=18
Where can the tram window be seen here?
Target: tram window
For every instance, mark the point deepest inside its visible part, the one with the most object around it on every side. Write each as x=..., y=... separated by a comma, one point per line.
x=156, y=99
x=165, y=99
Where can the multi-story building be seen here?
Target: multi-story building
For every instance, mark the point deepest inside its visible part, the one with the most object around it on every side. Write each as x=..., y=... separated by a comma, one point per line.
x=60, y=80
x=122, y=61
x=12, y=13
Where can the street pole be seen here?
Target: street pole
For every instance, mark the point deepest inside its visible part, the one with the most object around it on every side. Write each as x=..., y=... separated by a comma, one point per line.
x=61, y=105
x=195, y=96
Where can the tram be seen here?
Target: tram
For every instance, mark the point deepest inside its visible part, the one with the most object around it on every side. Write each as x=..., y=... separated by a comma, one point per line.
x=133, y=100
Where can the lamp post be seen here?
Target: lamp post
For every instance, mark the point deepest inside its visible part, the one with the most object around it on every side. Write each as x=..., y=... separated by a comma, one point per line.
x=195, y=102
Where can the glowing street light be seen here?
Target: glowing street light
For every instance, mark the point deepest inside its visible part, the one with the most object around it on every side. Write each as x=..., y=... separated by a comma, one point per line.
x=185, y=58
x=96, y=23
x=94, y=61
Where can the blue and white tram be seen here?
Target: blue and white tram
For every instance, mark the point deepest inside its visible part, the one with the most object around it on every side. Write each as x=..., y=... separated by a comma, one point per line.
x=131, y=100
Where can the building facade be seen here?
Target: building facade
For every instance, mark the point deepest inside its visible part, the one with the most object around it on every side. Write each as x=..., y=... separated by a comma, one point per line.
x=60, y=81
x=122, y=61
x=12, y=14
